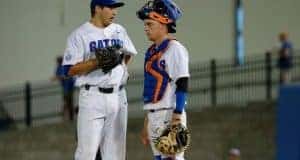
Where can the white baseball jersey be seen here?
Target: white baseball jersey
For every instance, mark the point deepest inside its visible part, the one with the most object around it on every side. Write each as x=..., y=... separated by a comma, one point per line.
x=81, y=45
x=176, y=62
x=100, y=116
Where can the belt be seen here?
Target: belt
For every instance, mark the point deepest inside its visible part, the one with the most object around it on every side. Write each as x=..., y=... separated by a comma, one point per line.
x=160, y=109
x=103, y=90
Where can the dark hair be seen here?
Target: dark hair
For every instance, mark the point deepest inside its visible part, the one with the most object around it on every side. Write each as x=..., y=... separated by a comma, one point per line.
x=93, y=8
x=92, y=12
x=171, y=27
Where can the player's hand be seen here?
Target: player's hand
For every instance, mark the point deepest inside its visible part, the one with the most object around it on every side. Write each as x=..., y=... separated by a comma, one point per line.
x=144, y=136
x=176, y=119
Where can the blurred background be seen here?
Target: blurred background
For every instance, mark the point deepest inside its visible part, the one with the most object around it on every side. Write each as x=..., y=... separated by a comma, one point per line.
x=235, y=78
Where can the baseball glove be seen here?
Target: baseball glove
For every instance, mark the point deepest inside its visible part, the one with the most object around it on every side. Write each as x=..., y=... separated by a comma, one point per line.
x=108, y=58
x=173, y=140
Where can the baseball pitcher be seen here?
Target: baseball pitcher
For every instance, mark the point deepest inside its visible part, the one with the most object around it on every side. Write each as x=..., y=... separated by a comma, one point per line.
x=95, y=55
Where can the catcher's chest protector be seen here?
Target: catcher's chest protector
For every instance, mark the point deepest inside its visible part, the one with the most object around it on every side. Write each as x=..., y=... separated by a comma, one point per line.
x=156, y=78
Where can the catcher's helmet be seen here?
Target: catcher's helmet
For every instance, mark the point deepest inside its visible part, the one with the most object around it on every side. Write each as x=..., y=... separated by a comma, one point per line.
x=163, y=11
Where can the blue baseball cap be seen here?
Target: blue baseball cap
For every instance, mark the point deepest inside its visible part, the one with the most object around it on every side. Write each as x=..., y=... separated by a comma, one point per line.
x=107, y=3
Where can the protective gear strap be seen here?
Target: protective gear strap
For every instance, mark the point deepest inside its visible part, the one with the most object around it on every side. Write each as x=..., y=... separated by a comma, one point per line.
x=181, y=94
x=155, y=16
x=156, y=77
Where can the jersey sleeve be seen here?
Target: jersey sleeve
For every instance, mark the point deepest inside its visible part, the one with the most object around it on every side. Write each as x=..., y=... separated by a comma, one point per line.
x=74, y=51
x=127, y=43
x=178, y=62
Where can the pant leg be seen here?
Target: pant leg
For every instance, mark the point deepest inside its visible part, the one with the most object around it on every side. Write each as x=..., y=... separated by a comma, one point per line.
x=158, y=121
x=122, y=124
x=110, y=150
x=98, y=156
x=123, y=118
x=68, y=109
x=89, y=134
x=90, y=124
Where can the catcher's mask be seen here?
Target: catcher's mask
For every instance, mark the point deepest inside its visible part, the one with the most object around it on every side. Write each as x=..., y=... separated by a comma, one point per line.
x=163, y=11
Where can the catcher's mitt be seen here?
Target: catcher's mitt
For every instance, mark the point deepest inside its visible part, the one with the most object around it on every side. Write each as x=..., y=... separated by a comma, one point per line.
x=174, y=139
x=108, y=58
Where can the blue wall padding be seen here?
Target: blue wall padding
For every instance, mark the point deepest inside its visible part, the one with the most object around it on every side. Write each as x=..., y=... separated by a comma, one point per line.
x=288, y=123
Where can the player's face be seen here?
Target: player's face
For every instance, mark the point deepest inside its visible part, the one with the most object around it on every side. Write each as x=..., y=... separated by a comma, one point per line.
x=107, y=15
x=154, y=30
x=282, y=38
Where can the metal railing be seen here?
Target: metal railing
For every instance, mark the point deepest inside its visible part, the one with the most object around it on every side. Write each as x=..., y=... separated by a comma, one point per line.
x=212, y=83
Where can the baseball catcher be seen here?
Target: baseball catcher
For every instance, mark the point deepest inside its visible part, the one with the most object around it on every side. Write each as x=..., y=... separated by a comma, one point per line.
x=166, y=76
x=174, y=140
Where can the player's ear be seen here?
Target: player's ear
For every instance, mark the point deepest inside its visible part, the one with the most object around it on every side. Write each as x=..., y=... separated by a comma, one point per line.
x=98, y=8
x=164, y=27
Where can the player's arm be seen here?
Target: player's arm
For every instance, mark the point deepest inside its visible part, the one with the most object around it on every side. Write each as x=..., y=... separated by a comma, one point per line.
x=128, y=55
x=73, y=61
x=144, y=133
x=127, y=58
x=181, y=96
x=90, y=65
x=106, y=59
x=129, y=49
x=179, y=72
x=83, y=67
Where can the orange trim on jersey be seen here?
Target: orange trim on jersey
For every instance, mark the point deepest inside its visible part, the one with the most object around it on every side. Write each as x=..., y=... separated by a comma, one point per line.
x=155, y=74
x=159, y=18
